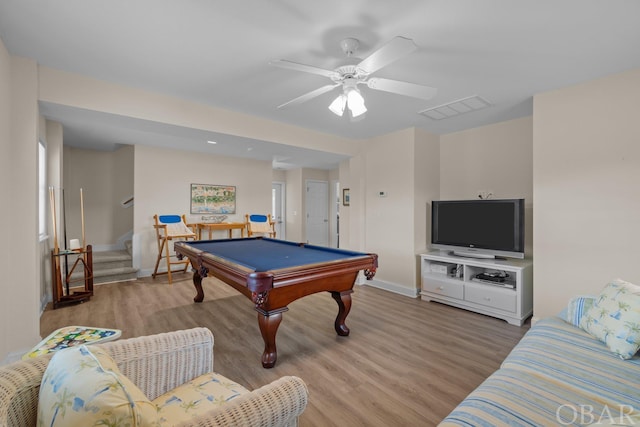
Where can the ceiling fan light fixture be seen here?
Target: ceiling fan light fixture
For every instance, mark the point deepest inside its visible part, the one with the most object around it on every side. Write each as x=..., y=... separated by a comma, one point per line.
x=355, y=101
x=338, y=104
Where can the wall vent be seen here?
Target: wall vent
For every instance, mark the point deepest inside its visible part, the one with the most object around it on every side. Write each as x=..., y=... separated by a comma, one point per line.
x=455, y=108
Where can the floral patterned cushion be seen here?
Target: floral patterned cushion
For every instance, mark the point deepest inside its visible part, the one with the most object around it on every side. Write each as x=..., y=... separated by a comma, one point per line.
x=196, y=397
x=83, y=387
x=615, y=318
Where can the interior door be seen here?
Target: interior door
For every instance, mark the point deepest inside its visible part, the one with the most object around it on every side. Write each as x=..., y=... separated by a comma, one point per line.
x=317, y=207
x=277, y=208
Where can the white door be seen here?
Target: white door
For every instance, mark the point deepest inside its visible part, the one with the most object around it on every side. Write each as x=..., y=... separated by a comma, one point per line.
x=277, y=208
x=317, y=207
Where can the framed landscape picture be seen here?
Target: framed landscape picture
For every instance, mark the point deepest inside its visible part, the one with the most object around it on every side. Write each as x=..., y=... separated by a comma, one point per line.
x=346, y=197
x=213, y=199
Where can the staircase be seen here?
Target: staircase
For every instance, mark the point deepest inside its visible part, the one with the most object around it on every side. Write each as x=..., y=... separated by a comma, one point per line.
x=111, y=266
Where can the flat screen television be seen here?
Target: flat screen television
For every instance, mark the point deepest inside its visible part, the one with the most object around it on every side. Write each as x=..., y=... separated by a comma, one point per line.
x=487, y=228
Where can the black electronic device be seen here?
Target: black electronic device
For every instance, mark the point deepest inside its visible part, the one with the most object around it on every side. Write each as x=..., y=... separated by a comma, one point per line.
x=491, y=277
x=479, y=228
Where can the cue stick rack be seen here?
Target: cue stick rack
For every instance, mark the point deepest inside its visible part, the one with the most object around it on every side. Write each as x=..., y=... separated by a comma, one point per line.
x=83, y=257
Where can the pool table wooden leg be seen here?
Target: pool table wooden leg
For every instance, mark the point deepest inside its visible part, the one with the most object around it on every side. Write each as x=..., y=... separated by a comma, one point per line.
x=344, y=306
x=269, y=323
x=197, y=283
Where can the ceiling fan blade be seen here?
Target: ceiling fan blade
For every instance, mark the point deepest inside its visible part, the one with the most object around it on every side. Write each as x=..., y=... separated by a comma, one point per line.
x=310, y=95
x=283, y=63
x=402, y=88
x=392, y=51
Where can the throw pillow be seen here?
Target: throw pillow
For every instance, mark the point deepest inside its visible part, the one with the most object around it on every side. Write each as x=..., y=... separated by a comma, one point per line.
x=577, y=308
x=83, y=387
x=614, y=318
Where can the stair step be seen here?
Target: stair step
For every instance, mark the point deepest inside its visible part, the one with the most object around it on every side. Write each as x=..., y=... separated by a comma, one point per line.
x=110, y=266
x=110, y=256
x=107, y=260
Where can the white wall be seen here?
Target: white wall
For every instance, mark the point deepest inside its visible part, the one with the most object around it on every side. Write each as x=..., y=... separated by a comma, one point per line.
x=106, y=179
x=496, y=158
x=21, y=258
x=586, y=174
x=163, y=181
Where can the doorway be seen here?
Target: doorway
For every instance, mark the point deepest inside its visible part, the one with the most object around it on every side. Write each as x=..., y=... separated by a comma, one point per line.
x=317, y=208
x=278, y=208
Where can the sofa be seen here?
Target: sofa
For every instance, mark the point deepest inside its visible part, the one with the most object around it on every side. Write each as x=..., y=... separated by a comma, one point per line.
x=562, y=373
x=155, y=366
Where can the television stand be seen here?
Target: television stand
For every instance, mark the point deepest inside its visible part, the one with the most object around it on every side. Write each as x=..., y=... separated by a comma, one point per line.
x=453, y=280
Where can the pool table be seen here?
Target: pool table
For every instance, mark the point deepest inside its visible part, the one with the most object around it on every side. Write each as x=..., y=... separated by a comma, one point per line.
x=273, y=273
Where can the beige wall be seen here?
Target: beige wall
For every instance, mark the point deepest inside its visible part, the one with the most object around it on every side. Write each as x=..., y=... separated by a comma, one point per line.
x=586, y=161
x=390, y=167
x=163, y=181
x=427, y=188
x=106, y=179
x=5, y=192
x=294, y=205
x=389, y=220
x=52, y=135
x=344, y=177
x=496, y=158
x=83, y=92
x=21, y=259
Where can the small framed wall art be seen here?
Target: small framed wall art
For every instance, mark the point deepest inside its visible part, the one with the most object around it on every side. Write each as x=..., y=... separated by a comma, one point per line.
x=345, y=197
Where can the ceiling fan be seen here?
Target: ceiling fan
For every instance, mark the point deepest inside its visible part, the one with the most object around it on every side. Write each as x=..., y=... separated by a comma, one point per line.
x=351, y=75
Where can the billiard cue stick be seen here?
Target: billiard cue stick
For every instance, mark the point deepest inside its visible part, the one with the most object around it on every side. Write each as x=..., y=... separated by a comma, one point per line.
x=82, y=218
x=56, y=249
x=63, y=208
x=52, y=203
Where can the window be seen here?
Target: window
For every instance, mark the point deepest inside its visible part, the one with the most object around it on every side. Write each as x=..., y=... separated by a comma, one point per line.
x=42, y=187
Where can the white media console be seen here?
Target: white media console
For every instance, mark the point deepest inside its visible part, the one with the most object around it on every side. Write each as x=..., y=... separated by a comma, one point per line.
x=451, y=280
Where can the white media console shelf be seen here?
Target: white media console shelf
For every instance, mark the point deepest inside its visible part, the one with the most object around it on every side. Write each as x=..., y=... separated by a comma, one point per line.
x=451, y=280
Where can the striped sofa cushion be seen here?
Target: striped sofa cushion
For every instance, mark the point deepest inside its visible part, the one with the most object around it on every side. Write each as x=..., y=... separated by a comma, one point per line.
x=557, y=375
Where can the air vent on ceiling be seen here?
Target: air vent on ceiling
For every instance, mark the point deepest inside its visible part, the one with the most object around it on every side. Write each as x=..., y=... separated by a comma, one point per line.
x=455, y=108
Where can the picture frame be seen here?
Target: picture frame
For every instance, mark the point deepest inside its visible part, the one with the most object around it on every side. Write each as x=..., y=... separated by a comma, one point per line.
x=213, y=199
x=345, y=197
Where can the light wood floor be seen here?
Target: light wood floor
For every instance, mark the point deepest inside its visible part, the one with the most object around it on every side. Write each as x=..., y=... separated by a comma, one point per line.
x=407, y=362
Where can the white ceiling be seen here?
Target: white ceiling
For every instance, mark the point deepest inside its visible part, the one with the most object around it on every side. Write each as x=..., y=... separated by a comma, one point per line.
x=218, y=53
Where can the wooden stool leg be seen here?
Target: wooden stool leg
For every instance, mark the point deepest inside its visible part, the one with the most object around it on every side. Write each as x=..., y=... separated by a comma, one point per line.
x=168, y=263
x=160, y=249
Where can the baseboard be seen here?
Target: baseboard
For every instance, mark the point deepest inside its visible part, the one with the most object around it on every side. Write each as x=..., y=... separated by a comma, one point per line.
x=148, y=272
x=388, y=286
